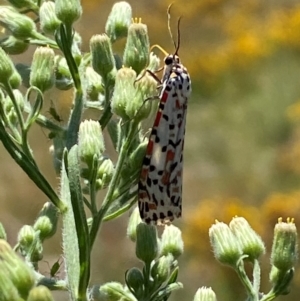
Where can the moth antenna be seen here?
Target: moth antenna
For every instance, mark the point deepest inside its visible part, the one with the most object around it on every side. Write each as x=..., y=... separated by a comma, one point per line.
x=170, y=31
x=169, y=25
x=178, y=36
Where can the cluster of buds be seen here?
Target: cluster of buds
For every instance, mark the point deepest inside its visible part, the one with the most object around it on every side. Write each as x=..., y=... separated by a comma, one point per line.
x=238, y=242
x=17, y=279
x=159, y=256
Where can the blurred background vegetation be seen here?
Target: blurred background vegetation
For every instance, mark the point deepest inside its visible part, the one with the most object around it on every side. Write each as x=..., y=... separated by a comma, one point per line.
x=242, y=145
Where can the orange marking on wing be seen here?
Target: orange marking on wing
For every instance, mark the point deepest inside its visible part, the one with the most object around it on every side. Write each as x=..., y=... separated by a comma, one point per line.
x=152, y=206
x=165, y=178
x=144, y=173
x=175, y=189
x=149, y=148
x=170, y=156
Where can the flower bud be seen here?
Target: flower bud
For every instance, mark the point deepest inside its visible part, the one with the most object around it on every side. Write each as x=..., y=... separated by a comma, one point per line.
x=48, y=19
x=225, y=246
x=124, y=91
x=90, y=141
x=129, y=96
x=15, y=81
x=146, y=243
x=285, y=247
x=40, y=293
x=171, y=242
x=134, y=162
x=205, y=294
x=135, y=280
x=281, y=280
x=9, y=108
x=154, y=62
x=141, y=106
x=250, y=242
x=12, y=45
x=136, y=53
x=42, y=69
x=16, y=269
x=6, y=66
x=47, y=220
x=111, y=291
x=162, y=268
x=2, y=232
x=22, y=4
x=63, y=78
x=134, y=221
x=30, y=244
x=103, y=60
x=93, y=85
x=105, y=173
x=68, y=11
x=26, y=237
x=21, y=26
x=8, y=291
x=118, y=21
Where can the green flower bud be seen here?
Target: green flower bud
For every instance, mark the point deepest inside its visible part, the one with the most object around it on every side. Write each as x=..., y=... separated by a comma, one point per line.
x=103, y=60
x=76, y=46
x=250, y=242
x=6, y=66
x=48, y=19
x=135, y=280
x=40, y=293
x=93, y=85
x=16, y=269
x=154, y=62
x=141, y=106
x=124, y=91
x=285, y=247
x=111, y=291
x=29, y=4
x=9, y=108
x=225, y=246
x=136, y=53
x=134, y=221
x=131, y=169
x=118, y=21
x=281, y=280
x=29, y=243
x=2, y=232
x=90, y=141
x=137, y=156
x=162, y=270
x=171, y=242
x=12, y=45
x=42, y=69
x=47, y=220
x=205, y=294
x=63, y=78
x=129, y=96
x=15, y=80
x=105, y=173
x=68, y=11
x=8, y=291
x=146, y=243
x=26, y=237
x=21, y=26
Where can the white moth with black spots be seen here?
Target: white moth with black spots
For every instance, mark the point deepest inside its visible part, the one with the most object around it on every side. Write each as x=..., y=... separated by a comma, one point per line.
x=160, y=184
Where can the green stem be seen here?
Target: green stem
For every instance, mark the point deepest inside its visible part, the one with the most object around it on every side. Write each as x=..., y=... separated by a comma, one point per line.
x=245, y=280
x=92, y=185
x=30, y=169
x=109, y=196
x=25, y=146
